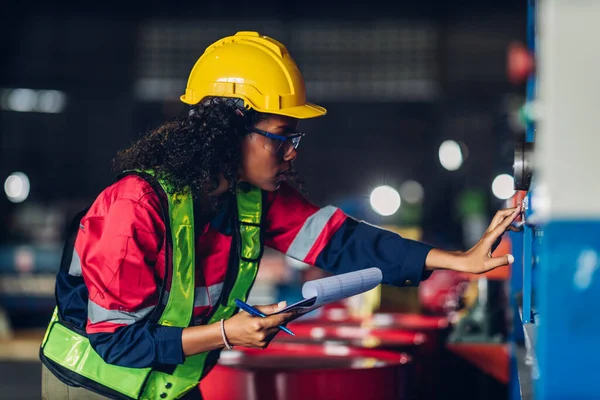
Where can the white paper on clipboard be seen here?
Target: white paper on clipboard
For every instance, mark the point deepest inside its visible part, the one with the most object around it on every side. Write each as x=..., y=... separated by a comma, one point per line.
x=334, y=288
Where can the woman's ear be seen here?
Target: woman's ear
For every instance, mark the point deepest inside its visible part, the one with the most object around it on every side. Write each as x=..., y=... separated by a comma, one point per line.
x=239, y=112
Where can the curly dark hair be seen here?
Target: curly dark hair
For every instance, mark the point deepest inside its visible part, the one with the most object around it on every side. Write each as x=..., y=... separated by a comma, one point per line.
x=194, y=150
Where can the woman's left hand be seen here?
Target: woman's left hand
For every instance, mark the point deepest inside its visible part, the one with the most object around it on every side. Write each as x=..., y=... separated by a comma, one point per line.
x=479, y=258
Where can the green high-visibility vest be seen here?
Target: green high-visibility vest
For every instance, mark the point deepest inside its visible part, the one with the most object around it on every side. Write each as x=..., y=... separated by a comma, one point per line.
x=72, y=350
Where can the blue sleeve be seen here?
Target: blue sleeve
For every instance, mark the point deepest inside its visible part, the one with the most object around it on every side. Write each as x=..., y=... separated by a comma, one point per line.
x=140, y=345
x=359, y=245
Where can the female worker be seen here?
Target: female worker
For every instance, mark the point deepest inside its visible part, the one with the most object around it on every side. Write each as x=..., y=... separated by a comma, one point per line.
x=150, y=272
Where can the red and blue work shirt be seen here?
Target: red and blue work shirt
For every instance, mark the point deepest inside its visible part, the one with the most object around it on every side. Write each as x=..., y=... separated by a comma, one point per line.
x=120, y=252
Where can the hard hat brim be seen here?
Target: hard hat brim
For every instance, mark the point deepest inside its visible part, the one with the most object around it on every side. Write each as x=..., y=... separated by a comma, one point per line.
x=309, y=110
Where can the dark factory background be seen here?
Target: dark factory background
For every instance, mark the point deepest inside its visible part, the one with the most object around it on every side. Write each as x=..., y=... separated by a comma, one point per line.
x=417, y=92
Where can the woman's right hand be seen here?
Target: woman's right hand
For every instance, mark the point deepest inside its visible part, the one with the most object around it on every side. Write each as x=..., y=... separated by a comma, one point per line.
x=246, y=330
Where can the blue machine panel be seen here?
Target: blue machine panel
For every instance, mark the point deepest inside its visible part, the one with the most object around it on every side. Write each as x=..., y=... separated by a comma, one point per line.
x=569, y=305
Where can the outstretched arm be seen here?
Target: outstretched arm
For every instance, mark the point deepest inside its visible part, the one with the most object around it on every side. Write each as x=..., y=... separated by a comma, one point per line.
x=335, y=242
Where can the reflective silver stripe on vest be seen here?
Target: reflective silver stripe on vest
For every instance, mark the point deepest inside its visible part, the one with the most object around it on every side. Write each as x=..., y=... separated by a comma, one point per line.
x=202, y=296
x=309, y=233
x=98, y=314
x=75, y=267
x=214, y=293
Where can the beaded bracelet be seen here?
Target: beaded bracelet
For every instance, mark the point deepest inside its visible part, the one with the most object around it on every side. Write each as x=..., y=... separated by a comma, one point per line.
x=224, y=336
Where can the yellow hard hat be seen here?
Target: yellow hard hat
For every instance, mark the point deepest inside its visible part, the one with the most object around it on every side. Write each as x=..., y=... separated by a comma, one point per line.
x=255, y=68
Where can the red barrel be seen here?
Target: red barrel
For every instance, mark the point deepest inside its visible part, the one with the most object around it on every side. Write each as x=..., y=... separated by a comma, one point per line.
x=433, y=327
x=357, y=336
x=411, y=321
x=286, y=371
x=407, y=321
x=424, y=347
x=441, y=293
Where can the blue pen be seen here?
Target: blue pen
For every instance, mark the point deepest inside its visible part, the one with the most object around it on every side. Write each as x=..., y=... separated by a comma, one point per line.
x=253, y=311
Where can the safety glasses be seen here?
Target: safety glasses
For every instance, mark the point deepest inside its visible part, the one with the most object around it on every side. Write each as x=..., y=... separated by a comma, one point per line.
x=281, y=145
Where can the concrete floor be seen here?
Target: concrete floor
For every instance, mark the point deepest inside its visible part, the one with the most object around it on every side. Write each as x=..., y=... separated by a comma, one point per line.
x=20, y=380
x=20, y=368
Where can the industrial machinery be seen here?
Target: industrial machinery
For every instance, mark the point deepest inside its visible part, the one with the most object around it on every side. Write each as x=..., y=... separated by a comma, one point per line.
x=556, y=167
